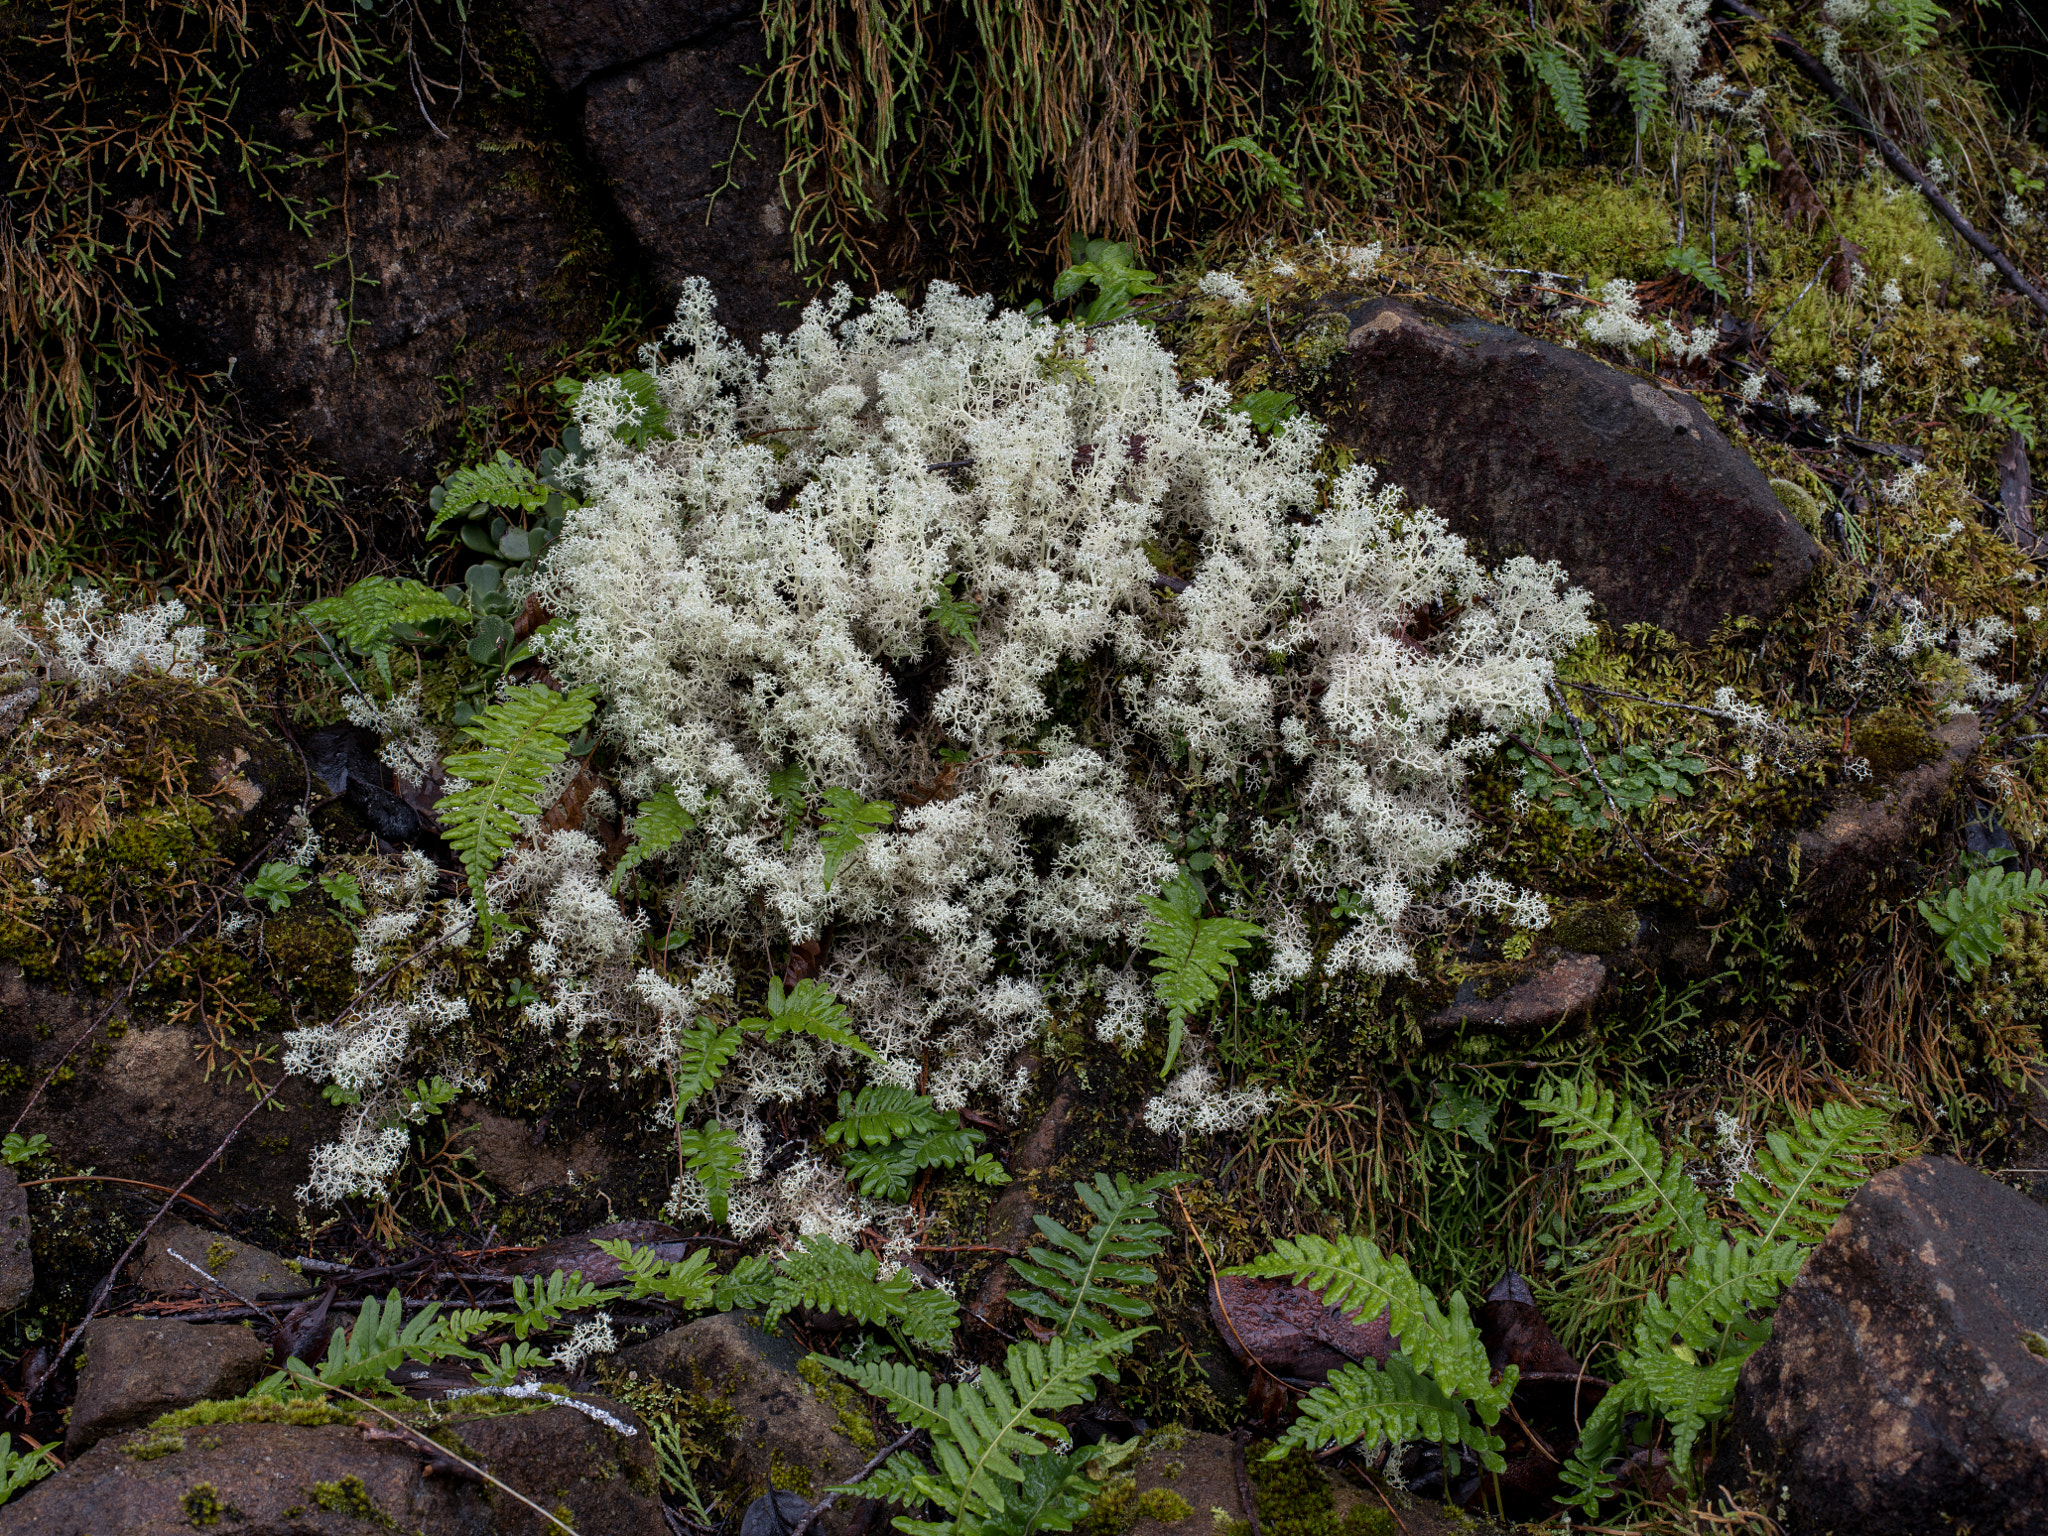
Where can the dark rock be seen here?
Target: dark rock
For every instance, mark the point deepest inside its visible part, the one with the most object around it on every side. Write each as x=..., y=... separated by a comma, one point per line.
x=1862, y=844
x=238, y=1266
x=581, y=1254
x=466, y=255
x=1899, y=1394
x=512, y=1156
x=1528, y=448
x=1200, y=1470
x=774, y=1514
x=344, y=758
x=1290, y=1332
x=700, y=193
x=17, y=1262
x=260, y=1479
x=781, y=1423
x=137, y=1368
x=579, y=38
x=1008, y=1223
x=1568, y=984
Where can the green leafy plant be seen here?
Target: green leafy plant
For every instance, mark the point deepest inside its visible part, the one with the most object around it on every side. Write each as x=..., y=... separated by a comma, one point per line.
x=985, y=1436
x=1915, y=22
x=1970, y=919
x=2002, y=406
x=517, y=741
x=18, y=1469
x=1193, y=955
x=1270, y=172
x=362, y=1355
x=650, y=422
x=17, y=1149
x=658, y=826
x=501, y=482
x=538, y=1303
x=346, y=892
x=374, y=614
x=1689, y=1342
x=275, y=885
x=1115, y=274
x=1442, y=1380
x=809, y=1008
x=1267, y=408
x=1567, y=88
x=847, y=822
x=954, y=615
x=1642, y=81
x=825, y=1275
x=713, y=1153
x=1690, y=261
x=1639, y=777
x=1077, y=1275
x=891, y=1134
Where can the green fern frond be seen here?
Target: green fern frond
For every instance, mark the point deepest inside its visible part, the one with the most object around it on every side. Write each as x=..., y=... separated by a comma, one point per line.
x=882, y=1113
x=688, y=1282
x=1077, y=1273
x=1567, y=89
x=1625, y=1162
x=500, y=482
x=539, y=1303
x=886, y=1172
x=364, y=613
x=1805, y=1176
x=517, y=741
x=750, y=1285
x=1352, y=1275
x=846, y=823
x=715, y=1156
x=827, y=1276
x=980, y=1433
x=1917, y=22
x=1642, y=80
x=1970, y=919
x=1397, y=1404
x=1193, y=955
x=1600, y=1442
x=701, y=1055
x=651, y=418
x=658, y=826
x=809, y=1009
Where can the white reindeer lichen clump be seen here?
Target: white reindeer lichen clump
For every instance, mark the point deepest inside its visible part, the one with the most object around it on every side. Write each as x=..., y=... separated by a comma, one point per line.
x=747, y=593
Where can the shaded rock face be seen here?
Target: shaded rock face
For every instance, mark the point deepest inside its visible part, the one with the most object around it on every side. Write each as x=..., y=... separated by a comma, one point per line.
x=17, y=1263
x=254, y=1272
x=464, y=254
x=782, y=1424
x=288, y=1480
x=1566, y=985
x=1897, y=1394
x=580, y=38
x=138, y=1368
x=699, y=193
x=1859, y=847
x=1528, y=448
x=511, y=1155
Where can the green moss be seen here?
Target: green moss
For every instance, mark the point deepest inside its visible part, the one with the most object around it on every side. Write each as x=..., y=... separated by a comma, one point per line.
x=1593, y=927
x=1798, y=500
x=218, y=1254
x=202, y=1505
x=348, y=1496
x=840, y=1397
x=794, y=1476
x=1161, y=1504
x=154, y=1443
x=253, y=1409
x=1897, y=235
x=1585, y=226
x=1894, y=741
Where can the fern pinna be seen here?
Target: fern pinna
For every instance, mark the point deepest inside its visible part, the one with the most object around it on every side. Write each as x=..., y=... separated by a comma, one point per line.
x=1193, y=955
x=1688, y=1345
x=517, y=741
x=1425, y=1387
x=1077, y=1273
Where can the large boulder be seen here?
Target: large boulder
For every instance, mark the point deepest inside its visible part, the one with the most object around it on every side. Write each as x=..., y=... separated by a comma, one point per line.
x=293, y=1479
x=698, y=178
x=137, y=1369
x=1529, y=448
x=1904, y=1388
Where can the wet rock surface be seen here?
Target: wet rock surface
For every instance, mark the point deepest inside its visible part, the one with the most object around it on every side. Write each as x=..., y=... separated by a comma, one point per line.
x=1859, y=846
x=139, y=1368
x=1288, y=1331
x=275, y=1479
x=515, y=1156
x=17, y=1262
x=577, y=39
x=1568, y=984
x=784, y=1425
x=1528, y=448
x=1901, y=1392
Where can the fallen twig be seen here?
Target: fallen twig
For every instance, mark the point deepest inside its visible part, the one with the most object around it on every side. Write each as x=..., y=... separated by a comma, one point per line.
x=804, y=1525
x=107, y=1178
x=216, y=1282
x=1818, y=73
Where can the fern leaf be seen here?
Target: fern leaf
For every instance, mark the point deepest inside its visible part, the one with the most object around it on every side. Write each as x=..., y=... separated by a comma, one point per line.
x=1916, y=21
x=517, y=741
x=658, y=826
x=1625, y=1161
x=1077, y=1272
x=1352, y=1275
x=647, y=414
x=1193, y=955
x=809, y=1009
x=882, y=1113
x=1055, y=1494
x=1567, y=89
x=501, y=482
x=1803, y=1178
x=364, y=613
x=750, y=1285
x=701, y=1056
x=848, y=821
x=715, y=1156
x=688, y=1282
x=827, y=1276
x=1397, y=1404
x=1970, y=919
x=1600, y=1442
x=1643, y=82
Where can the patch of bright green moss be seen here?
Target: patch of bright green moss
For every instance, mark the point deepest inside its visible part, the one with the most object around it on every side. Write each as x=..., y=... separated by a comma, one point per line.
x=1590, y=228
x=348, y=1496
x=202, y=1505
x=253, y=1409
x=840, y=1397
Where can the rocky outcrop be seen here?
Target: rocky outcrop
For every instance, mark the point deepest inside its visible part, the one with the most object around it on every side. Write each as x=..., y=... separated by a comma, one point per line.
x=139, y=1368
x=165, y=1266
x=512, y=1155
x=1283, y=1329
x=697, y=177
x=285, y=1479
x=1904, y=1388
x=1529, y=448
x=1858, y=848
x=1563, y=985
x=805, y=1434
